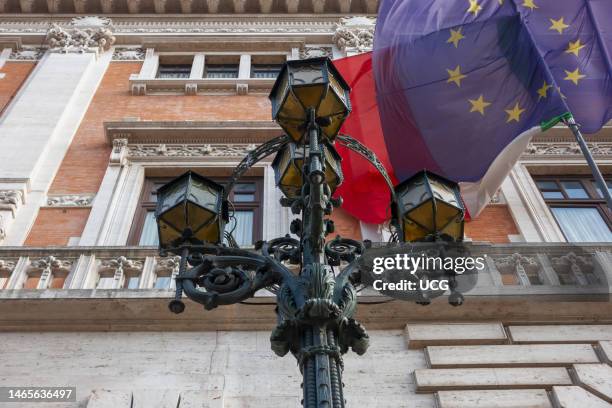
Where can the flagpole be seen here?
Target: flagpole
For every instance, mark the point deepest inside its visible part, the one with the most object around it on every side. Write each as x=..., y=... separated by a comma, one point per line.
x=599, y=180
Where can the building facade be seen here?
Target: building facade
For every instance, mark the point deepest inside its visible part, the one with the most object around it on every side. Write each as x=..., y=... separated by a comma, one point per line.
x=103, y=101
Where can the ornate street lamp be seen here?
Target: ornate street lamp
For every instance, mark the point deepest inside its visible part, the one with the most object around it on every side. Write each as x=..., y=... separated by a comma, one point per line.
x=428, y=208
x=189, y=209
x=289, y=164
x=306, y=85
x=315, y=307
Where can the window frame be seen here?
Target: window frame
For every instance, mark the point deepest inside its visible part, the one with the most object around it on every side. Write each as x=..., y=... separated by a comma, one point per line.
x=145, y=205
x=588, y=184
x=186, y=69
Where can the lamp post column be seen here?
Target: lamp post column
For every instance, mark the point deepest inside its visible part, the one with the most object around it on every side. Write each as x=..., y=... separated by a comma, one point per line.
x=319, y=356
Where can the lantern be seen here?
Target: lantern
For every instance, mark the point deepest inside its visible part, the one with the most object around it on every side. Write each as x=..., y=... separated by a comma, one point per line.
x=429, y=206
x=289, y=164
x=189, y=208
x=308, y=84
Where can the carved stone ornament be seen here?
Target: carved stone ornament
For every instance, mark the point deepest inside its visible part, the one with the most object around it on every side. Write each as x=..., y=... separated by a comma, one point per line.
x=10, y=199
x=128, y=54
x=355, y=35
x=566, y=149
x=519, y=265
x=78, y=39
x=190, y=150
x=122, y=264
x=6, y=266
x=315, y=52
x=71, y=200
x=27, y=54
x=51, y=263
x=576, y=268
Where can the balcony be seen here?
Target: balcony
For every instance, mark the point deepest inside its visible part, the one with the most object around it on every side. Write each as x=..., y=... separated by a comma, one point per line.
x=117, y=288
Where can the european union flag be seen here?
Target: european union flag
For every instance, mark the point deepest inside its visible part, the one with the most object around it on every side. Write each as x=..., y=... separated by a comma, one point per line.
x=462, y=85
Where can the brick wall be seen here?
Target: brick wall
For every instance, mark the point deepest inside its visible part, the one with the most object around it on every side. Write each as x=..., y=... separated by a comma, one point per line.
x=55, y=226
x=494, y=224
x=15, y=73
x=87, y=158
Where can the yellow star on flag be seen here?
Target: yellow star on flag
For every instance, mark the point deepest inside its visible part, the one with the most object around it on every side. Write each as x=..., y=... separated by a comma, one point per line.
x=455, y=75
x=574, y=76
x=574, y=47
x=543, y=90
x=558, y=25
x=455, y=37
x=514, y=113
x=474, y=7
x=529, y=4
x=501, y=2
x=479, y=105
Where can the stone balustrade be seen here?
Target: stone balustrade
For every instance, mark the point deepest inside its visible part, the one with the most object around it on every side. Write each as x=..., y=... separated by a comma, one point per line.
x=511, y=269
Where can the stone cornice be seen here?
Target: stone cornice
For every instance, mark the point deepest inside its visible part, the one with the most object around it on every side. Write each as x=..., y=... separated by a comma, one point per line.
x=149, y=132
x=132, y=30
x=162, y=7
x=217, y=43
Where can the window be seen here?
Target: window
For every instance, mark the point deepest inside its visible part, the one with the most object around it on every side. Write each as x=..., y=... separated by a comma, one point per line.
x=578, y=207
x=163, y=281
x=106, y=280
x=221, y=71
x=174, y=71
x=132, y=281
x=246, y=224
x=265, y=70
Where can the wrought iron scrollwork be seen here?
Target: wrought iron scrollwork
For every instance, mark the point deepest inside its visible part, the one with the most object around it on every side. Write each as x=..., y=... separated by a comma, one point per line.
x=260, y=152
x=356, y=146
x=282, y=249
x=343, y=250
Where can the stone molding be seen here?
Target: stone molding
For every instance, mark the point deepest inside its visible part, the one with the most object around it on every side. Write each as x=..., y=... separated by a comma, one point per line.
x=180, y=24
x=190, y=132
x=70, y=200
x=186, y=7
x=556, y=149
x=189, y=150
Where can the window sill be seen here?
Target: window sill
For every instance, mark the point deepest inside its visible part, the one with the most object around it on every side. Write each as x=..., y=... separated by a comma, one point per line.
x=190, y=86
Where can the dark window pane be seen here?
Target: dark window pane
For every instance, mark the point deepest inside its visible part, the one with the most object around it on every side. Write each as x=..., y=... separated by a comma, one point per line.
x=552, y=194
x=221, y=71
x=244, y=192
x=265, y=71
x=574, y=189
x=547, y=185
x=174, y=71
x=244, y=198
x=244, y=188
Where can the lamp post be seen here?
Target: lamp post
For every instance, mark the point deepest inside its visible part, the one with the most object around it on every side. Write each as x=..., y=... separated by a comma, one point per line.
x=315, y=306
